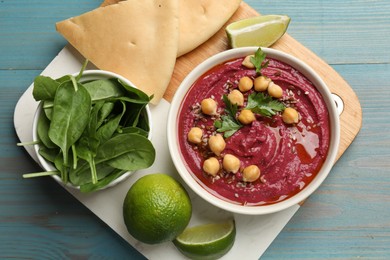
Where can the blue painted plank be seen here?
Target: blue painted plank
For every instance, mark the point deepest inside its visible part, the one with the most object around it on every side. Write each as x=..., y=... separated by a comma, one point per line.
x=337, y=31
x=348, y=217
x=27, y=31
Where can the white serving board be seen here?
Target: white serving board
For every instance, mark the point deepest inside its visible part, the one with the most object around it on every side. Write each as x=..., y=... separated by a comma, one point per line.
x=254, y=233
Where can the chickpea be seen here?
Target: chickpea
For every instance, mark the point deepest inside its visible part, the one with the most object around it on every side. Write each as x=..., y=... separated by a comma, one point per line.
x=209, y=106
x=246, y=116
x=231, y=163
x=275, y=90
x=261, y=83
x=251, y=173
x=195, y=135
x=247, y=62
x=236, y=97
x=245, y=84
x=217, y=144
x=211, y=166
x=290, y=116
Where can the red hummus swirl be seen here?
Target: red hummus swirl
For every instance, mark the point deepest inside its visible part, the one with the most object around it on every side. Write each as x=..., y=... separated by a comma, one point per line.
x=289, y=156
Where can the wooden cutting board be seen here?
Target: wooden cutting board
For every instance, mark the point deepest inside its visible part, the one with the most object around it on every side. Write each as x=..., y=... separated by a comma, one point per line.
x=351, y=117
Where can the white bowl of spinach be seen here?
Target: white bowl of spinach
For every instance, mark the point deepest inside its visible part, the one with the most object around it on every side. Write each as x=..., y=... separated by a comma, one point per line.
x=92, y=129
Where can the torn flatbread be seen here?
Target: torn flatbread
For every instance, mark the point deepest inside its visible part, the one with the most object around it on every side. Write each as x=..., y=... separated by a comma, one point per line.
x=199, y=20
x=136, y=39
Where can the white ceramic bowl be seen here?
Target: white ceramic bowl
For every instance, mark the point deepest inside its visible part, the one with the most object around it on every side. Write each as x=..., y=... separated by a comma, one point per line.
x=88, y=75
x=174, y=147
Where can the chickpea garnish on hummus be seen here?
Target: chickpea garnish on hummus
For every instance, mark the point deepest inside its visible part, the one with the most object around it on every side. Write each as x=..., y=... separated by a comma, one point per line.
x=255, y=104
x=257, y=137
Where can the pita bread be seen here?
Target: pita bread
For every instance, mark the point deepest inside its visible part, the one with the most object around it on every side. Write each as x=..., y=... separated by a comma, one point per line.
x=199, y=20
x=136, y=39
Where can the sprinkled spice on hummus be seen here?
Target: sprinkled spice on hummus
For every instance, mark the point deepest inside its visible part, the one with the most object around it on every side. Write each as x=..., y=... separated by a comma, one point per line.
x=254, y=136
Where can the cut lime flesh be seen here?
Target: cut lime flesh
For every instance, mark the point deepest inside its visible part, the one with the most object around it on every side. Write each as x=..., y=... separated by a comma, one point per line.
x=208, y=241
x=261, y=31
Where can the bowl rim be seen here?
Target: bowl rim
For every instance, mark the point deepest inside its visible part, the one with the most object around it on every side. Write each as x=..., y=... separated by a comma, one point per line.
x=86, y=75
x=224, y=56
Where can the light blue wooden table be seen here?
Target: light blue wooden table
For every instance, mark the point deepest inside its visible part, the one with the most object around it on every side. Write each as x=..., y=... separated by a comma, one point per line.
x=347, y=218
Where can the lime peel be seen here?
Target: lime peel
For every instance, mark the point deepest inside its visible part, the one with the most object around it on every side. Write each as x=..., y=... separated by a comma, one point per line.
x=262, y=31
x=156, y=209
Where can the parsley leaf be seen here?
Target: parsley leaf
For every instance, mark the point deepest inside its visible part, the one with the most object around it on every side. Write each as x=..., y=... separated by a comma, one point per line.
x=264, y=104
x=230, y=108
x=228, y=123
x=258, y=59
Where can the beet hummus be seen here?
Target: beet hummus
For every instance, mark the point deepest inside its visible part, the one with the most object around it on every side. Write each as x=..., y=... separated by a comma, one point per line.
x=287, y=156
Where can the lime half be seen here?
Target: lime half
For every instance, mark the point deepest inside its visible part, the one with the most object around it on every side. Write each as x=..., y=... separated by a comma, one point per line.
x=209, y=241
x=262, y=31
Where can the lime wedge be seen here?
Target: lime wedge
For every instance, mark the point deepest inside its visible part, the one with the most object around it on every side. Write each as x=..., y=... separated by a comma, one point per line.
x=209, y=241
x=262, y=31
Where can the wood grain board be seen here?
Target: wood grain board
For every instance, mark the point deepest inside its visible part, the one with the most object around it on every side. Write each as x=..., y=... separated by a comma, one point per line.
x=351, y=117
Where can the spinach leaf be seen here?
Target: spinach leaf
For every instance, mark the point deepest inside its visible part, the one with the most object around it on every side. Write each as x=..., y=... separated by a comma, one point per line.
x=143, y=121
x=133, y=114
x=135, y=93
x=132, y=152
x=127, y=152
x=88, y=143
x=132, y=130
x=104, y=122
x=82, y=175
x=43, y=127
x=59, y=164
x=104, y=112
x=70, y=115
x=104, y=89
x=49, y=154
x=64, y=78
x=109, y=128
x=89, y=187
x=44, y=88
